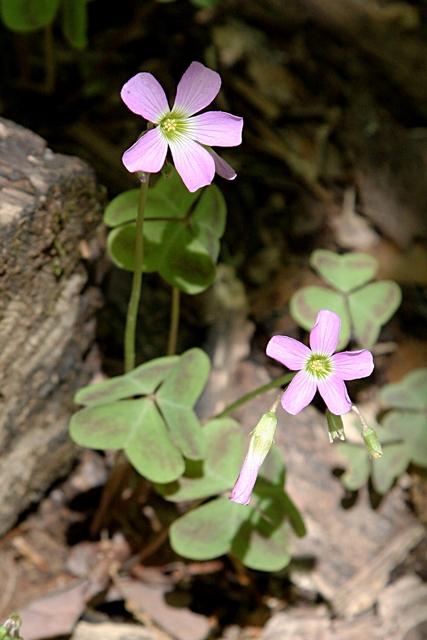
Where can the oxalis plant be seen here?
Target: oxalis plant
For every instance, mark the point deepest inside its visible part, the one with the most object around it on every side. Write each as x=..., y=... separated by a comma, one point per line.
x=363, y=306
x=402, y=431
x=174, y=228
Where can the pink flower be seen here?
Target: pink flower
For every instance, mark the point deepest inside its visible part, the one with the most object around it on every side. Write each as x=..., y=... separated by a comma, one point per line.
x=318, y=368
x=189, y=138
x=262, y=437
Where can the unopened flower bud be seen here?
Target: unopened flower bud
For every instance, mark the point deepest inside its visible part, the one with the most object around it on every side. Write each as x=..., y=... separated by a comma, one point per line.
x=372, y=443
x=262, y=437
x=369, y=436
x=335, y=426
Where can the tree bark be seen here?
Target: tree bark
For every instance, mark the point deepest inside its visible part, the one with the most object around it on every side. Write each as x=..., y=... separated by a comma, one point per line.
x=49, y=204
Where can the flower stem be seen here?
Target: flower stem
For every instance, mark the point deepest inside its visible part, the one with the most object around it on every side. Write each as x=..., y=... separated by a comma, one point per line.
x=173, y=329
x=132, y=312
x=278, y=382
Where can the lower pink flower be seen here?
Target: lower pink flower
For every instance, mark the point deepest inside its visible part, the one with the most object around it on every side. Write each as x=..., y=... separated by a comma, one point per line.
x=262, y=437
x=318, y=369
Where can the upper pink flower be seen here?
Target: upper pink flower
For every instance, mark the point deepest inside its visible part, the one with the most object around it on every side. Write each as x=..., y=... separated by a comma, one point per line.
x=318, y=368
x=189, y=138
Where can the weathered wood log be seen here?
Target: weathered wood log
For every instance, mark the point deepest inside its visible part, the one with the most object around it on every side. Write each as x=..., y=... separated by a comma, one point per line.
x=49, y=204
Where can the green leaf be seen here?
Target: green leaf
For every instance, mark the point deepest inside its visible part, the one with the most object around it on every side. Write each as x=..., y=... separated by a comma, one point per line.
x=265, y=491
x=151, y=450
x=308, y=301
x=177, y=395
x=142, y=380
x=393, y=462
x=411, y=428
x=207, y=532
x=135, y=426
x=344, y=272
x=358, y=465
x=106, y=426
x=258, y=536
x=123, y=208
x=181, y=232
x=409, y=393
x=74, y=22
x=121, y=246
x=169, y=248
x=208, y=220
x=218, y=472
x=273, y=468
x=28, y=15
x=371, y=307
x=264, y=547
x=170, y=197
x=179, y=257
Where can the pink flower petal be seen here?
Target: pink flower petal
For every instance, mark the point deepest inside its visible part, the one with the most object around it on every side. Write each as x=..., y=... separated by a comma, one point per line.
x=217, y=129
x=194, y=164
x=196, y=89
x=242, y=490
x=147, y=154
x=222, y=168
x=292, y=353
x=325, y=333
x=144, y=95
x=299, y=393
x=351, y=365
x=334, y=393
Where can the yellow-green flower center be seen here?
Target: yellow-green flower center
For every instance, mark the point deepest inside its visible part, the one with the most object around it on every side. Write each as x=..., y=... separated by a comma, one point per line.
x=319, y=366
x=316, y=365
x=169, y=125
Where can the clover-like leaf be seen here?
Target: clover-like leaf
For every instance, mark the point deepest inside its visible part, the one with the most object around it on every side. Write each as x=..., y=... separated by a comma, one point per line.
x=383, y=470
x=207, y=532
x=123, y=208
x=358, y=465
x=409, y=393
x=407, y=419
x=181, y=232
x=258, y=534
x=176, y=397
x=135, y=426
x=219, y=470
x=308, y=301
x=363, y=308
x=142, y=380
x=263, y=539
x=371, y=307
x=344, y=272
x=411, y=428
x=395, y=459
x=156, y=430
x=22, y=16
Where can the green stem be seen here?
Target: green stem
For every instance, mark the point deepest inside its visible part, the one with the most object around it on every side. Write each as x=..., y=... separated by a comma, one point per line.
x=278, y=382
x=132, y=312
x=173, y=330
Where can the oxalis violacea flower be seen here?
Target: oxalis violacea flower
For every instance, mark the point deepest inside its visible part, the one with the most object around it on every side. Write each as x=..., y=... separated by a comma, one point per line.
x=189, y=137
x=318, y=369
x=262, y=437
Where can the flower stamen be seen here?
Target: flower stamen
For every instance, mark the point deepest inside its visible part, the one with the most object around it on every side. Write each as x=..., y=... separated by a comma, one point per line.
x=319, y=366
x=169, y=125
x=316, y=365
